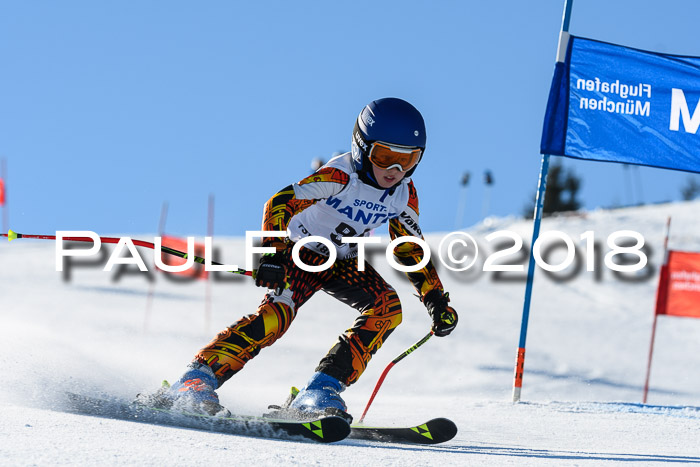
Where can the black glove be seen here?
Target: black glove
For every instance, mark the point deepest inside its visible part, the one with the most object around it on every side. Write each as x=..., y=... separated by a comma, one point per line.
x=444, y=316
x=272, y=272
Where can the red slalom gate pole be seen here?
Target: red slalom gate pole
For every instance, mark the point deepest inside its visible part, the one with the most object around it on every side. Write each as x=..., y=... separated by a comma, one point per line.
x=390, y=366
x=660, y=304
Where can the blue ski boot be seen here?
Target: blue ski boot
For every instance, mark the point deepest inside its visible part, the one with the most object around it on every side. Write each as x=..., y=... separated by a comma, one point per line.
x=193, y=392
x=320, y=396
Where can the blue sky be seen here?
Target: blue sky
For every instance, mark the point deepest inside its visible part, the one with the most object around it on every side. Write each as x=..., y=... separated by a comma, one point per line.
x=111, y=109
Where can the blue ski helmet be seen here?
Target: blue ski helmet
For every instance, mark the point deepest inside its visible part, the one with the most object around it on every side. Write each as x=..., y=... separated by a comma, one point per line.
x=389, y=120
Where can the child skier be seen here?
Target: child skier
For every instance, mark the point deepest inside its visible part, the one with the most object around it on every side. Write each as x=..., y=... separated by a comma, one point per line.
x=347, y=197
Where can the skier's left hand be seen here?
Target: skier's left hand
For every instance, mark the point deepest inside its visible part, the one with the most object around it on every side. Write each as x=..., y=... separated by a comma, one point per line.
x=444, y=316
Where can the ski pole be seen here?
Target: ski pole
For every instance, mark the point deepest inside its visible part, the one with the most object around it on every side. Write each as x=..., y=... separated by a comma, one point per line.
x=389, y=367
x=13, y=235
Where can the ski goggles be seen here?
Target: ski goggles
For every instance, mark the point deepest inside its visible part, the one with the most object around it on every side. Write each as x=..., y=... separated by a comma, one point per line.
x=387, y=156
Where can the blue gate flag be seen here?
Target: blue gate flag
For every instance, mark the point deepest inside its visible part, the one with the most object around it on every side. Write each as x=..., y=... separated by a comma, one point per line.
x=617, y=104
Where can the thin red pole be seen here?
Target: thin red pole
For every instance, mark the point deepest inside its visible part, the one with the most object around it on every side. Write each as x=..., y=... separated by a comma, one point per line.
x=651, y=353
x=660, y=307
x=207, y=297
x=152, y=288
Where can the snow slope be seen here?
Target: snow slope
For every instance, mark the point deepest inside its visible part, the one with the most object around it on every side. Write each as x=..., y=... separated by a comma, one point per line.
x=99, y=333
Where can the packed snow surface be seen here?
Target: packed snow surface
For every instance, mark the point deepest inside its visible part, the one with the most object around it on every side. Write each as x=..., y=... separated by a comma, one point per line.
x=104, y=333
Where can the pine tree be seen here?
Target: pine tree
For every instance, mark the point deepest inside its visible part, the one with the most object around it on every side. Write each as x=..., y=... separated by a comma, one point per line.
x=561, y=194
x=691, y=190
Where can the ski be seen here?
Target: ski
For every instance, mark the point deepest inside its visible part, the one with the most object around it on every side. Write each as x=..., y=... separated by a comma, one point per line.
x=435, y=431
x=326, y=429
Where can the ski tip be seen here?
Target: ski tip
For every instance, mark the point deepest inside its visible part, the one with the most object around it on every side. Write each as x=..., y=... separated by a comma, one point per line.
x=11, y=235
x=444, y=428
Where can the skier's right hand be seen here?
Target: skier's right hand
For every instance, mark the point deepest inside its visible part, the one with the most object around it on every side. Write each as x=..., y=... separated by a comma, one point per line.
x=271, y=273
